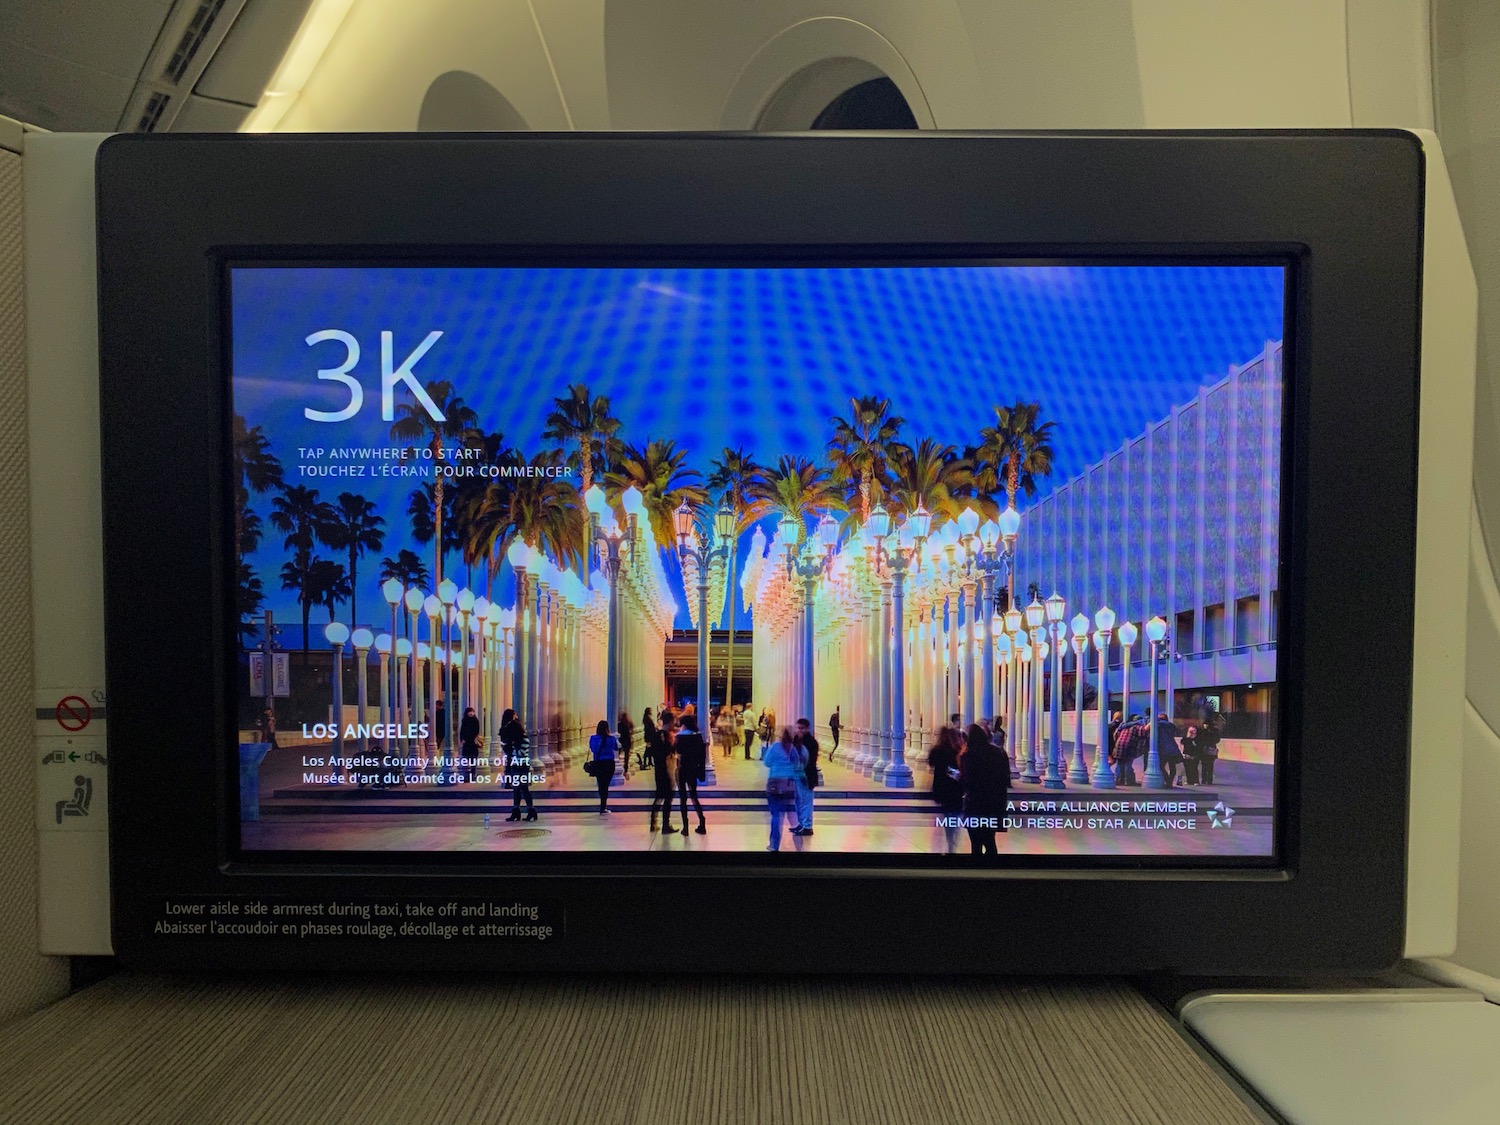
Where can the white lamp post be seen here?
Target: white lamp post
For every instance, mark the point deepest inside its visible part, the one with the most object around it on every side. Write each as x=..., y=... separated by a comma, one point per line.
x=337, y=633
x=1104, y=621
x=1004, y=649
x=383, y=647
x=393, y=592
x=1127, y=634
x=1057, y=608
x=447, y=590
x=421, y=656
x=433, y=610
x=1078, y=772
x=1156, y=629
x=403, y=661
x=482, y=611
x=363, y=639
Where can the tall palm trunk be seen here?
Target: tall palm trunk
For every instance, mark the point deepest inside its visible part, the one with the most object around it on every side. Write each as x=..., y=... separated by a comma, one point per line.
x=864, y=496
x=353, y=585
x=437, y=516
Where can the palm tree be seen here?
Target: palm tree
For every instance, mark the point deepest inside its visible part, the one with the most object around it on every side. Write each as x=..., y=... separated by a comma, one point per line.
x=735, y=472
x=862, y=446
x=1018, y=447
x=541, y=510
x=300, y=516
x=356, y=528
x=798, y=488
x=415, y=426
x=931, y=475
x=467, y=514
x=407, y=568
x=328, y=584
x=586, y=422
x=251, y=597
x=657, y=472
x=256, y=469
x=420, y=506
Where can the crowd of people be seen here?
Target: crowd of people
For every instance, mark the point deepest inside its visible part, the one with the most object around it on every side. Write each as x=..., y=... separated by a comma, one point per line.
x=971, y=783
x=1195, y=754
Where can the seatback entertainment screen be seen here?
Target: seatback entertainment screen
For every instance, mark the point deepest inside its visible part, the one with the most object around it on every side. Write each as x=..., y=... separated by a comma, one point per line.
x=903, y=563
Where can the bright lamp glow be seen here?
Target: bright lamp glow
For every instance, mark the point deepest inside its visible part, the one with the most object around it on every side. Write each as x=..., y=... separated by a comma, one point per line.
x=1010, y=522
x=423, y=651
x=1105, y=619
x=989, y=534
x=383, y=643
x=507, y=618
x=481, y=607
x=1156, y=630
x=336, y=632
x=465, y=600
x=414, y=600
x=448, y=589
x=515, y=554
x=1127, y=634
x=1057, y=607
x=880, y=521
x=724, y=520
x=1081, y=625
x=431, y=606
x=1036, y=613
x=920, y=522
x=791, y=531
x=392, y=590
x=1013, y=621
x=403, y=648
x=828, y=532
x=682, y=520
x=362, y=638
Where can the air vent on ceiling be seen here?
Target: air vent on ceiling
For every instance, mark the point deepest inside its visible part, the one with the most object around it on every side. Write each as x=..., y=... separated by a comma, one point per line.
x=155, y=107
x=192, y=39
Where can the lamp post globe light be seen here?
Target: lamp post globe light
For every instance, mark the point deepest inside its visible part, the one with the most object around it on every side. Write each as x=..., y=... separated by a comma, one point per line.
x=362, y=640
x=1078, y=771
x=1005, y=650
x=1104, y=622
x=421, y=658
x=413, y=601
x=1035, y=616
x=1014, y=620
x=432, y=609
x=997, y=543
x=1127, y=635
x=911, y=540
x=393, y=592
x=608, y=536
x=464, y=603
x=1156, y=629
x=337, y=633
x=383, y=647
x=482, y=612
x=1057, y=608
x=447, y=591
x=403, y=660
x=691, y=548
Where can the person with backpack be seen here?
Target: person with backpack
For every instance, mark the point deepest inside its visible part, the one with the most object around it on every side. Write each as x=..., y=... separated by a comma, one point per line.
x=1131, y=742
x=516, y=748
x=808, y=780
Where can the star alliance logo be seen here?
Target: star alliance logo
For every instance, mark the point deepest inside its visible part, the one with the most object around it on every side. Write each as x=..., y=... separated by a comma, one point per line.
x=1221, y=816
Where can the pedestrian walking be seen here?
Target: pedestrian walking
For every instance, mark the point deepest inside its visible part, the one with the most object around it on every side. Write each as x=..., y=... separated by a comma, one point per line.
x=747, y=729
x=1167, y=750
x=603, y=747
x=516, y=748
x=784, y=764
x=984, y=773
x=650, y=740
x=468, y=744
x=692, y=765
x=835, y=724
x=664, y=773
x=947, y=789
x=807, y=781
x=767, y=729
x=625, y=732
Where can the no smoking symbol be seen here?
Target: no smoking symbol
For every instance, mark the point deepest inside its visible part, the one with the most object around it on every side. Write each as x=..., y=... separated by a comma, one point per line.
x=73, y=713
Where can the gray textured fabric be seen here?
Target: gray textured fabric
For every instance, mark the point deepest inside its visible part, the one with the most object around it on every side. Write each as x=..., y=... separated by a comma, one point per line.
x=27, y=980
x=600, y=1050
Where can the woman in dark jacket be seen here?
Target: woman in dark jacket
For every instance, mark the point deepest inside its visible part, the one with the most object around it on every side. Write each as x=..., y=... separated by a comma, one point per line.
x=692, y=764
x=468, y=742
x=650, y=739
x=947, y=790
x=516, y=748
x=625, y=730
x=984, y=772
x=664, y=771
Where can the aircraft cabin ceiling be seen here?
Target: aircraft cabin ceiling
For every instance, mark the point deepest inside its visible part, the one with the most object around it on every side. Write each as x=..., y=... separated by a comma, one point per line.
x=140, y=65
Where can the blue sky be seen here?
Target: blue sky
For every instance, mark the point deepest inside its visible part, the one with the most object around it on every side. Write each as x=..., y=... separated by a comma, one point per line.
x=755, y=357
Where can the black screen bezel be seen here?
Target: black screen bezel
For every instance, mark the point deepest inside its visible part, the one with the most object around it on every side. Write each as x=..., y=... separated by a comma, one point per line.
x=235, y=857
x=1350, y=202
